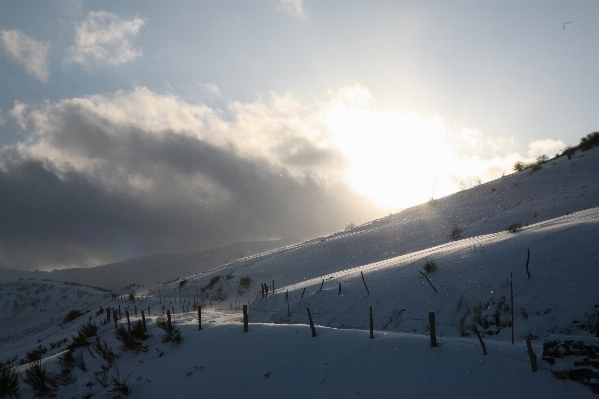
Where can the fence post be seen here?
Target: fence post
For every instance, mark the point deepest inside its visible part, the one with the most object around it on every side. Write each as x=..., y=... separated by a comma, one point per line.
x=148, y=310
x=286, y=295
x=273, y=287
x=371, y=325
x=527, y=259
x=136, y=310
x=143, y=321
x=303, y=292
x=531, y=354
x=120, y=314
x=364, y=281
x=107, y=315
x=128, y=320
x=431, y=322
x=168, y=316
x=115, y=319
x=311, y=323
x=428, y=280
x=339, y=288
x=262, y=287
x=199, y=317
x=245, y=318
x=480, y=339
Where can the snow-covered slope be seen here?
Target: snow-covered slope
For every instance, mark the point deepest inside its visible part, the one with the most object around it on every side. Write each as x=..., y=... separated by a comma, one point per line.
x=558, y=208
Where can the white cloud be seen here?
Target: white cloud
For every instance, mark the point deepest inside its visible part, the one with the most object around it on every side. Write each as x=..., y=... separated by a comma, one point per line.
x=293, y=7
x=104, y=38
x=28, y=52
x=544, y=147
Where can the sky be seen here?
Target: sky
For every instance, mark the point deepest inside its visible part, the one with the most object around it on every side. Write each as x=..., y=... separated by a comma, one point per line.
x=129, y=128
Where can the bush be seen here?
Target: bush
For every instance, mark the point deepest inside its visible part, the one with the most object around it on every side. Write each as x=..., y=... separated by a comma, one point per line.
x=591, y=140
x=350, y=226
x=106, y=352
x=129, y=341
x=455, y=233
x=85, y=331
x=514, y=227
x=9, y=382
x=132, y=295
x=519, y=166
x=34, y=355
x=245, y=282
x=72, y=315
x=182, y=283
x=172, y=332
x=430, y=267
x=42, y=383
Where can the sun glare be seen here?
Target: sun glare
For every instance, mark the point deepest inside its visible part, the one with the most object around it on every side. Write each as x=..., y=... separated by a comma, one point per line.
x=396, y=159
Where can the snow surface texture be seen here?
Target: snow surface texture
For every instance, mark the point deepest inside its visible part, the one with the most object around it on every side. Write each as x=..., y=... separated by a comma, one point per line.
x=558, y=207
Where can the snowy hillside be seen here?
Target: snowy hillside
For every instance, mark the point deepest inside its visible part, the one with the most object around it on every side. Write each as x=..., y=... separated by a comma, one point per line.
x=557, y=208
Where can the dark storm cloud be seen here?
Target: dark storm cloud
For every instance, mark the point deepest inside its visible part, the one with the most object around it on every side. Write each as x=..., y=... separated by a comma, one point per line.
x=139, y=193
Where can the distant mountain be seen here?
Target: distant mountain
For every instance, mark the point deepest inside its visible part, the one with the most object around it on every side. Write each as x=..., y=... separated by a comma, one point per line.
x=150, y=269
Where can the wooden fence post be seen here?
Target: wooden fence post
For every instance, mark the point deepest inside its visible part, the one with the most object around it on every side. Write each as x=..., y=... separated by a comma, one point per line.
x=273, y=287
x=287, y=296
x=428, y=280
x=527, y=259
x=107, y=315
x=120, y=314
x=321, y=284
x=480, y=339
x=265, y=290
x=199, y=318
x=128, y=320
x=364, y=281
x=532, y=355
x=311, y=323
x=431, y=322
x=143, y=320
x=262, y=287
x=148, y=310
x=371, y=325
x=136, y=310
x=339, y=288
x=303, y=292
x=168, y=322
x=115, y=319
x=245, y=318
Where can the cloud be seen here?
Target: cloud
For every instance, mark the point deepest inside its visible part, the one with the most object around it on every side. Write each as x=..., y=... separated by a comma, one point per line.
x=292, y=7
x=104, y=38
x=108, y=177
x=27, y=52
x=545, y=147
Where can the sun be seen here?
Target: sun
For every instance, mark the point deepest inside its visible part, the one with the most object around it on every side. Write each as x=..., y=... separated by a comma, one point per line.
x=395, y=158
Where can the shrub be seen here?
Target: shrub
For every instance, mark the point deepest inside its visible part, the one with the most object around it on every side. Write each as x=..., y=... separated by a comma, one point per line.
x=455, y=233
x=182, y=283
x=535, y=167
x=42, y=383
x=128, y=340
x=430, y=266
x=118, y=385
x=132, y=295
x=102, y=349
x=519, y=166
x=86, y=331
x=514, y=227
x=542, y=159
x=34, y=355
x=229, y=276
x=72, y=315
x=245, y=282
x=350, y=226
x=591, y=140
x=172, y=332
x=9, y=382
